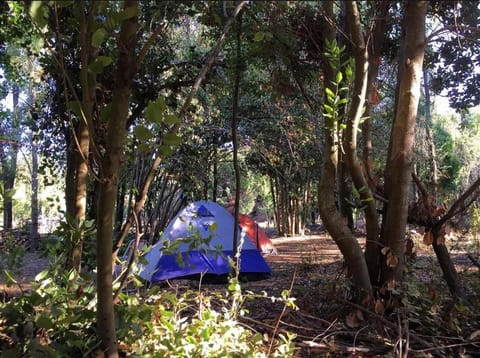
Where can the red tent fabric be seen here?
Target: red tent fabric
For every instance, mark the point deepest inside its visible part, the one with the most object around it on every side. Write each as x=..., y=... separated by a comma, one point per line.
x=256, y=234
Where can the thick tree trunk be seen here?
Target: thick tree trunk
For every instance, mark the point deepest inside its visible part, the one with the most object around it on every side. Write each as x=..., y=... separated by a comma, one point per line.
x=126, y=69
x=399, y=164
x=331, y=217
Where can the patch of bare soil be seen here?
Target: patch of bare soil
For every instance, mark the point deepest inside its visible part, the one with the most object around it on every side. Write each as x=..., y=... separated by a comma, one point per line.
x=30, y=266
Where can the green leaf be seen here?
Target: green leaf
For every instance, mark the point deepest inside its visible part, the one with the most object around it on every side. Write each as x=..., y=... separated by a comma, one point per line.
x=329, y=92
x=39, y=12
x=171, y=139
x=328, y=108
x=142, y=133
x=128, y=13
x=98, y=37
x=99, y=64
x=349, y=71
x=155, y=110
x=44, y=322
x=75, y=107
x=64, y=3
x=105, y=113
x=259, y=36
x=339, y=77
x=165, y=151
x=9, y=277
x=171, y=119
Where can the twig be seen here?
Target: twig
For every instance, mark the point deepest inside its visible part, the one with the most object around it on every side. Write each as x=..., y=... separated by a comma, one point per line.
x=431, y=349
x=385, y=321
x=474, y=261
x=277, y=323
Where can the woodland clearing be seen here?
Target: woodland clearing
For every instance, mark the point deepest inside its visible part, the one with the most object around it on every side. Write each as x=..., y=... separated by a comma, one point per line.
x=311, y=270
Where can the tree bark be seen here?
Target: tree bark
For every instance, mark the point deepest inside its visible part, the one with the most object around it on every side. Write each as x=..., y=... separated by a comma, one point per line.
x=110, y=168
x=236, y=166
x=329, y=213
x=432, y=155
x=8, y=161
x=34, y=212
x=375, y=50
x=399, y=164
x=359, y=93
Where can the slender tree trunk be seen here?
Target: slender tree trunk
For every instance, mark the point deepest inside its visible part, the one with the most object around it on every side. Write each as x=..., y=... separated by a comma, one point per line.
x=126, y=69
x=399, y=165
x=331, y=217
x=34, y=235
x=8, y=161
x=428, y=128
x=215, y=175
x=446, y=263
x=82, y=134
x=360, y=88
x=120, y=208
x=375, y=51
x=273, y=191
x=236, y=167
x=70, y=177
x=345, y=192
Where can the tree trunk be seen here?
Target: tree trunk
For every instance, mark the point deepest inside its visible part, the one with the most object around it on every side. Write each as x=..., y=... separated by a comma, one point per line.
x=120, y=208
x=375, y=51
x=360, y=88
x=34, y=235
x=399, y=163
x=446, y=263
x=8, y=161
x=331, y=217
x=215, y=175
x=236, y=167
x=126, y=69
x=82, y=150
x=432, y=156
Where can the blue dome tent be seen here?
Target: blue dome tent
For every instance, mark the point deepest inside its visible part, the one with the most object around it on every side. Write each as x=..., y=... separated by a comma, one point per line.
x=199, y=242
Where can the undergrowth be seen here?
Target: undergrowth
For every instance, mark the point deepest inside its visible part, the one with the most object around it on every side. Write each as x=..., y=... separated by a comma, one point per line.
x=56, y=318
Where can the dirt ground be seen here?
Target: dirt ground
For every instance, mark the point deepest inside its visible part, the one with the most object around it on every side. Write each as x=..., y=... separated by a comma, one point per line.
x=312, y=269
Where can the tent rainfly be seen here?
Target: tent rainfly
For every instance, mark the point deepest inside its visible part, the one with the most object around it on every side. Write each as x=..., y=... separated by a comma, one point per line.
x=198, y=242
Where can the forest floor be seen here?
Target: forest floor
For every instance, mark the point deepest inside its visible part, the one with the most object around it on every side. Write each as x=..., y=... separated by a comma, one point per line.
x=310, y=269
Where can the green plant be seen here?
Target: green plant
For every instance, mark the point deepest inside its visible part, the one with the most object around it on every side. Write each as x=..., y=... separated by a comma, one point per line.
x=12, y=255
x=193, y=324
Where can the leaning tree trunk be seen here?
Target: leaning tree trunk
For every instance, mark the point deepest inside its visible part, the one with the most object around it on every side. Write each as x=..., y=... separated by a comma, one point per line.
x=331, y=217
x=399, y=163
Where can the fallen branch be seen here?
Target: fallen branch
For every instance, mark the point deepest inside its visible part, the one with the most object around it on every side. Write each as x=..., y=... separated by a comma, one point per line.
x=474, y=261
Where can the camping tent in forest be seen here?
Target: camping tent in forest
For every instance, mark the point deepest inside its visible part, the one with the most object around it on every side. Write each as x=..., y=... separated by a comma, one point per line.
x=256, y=234
x=199, y=241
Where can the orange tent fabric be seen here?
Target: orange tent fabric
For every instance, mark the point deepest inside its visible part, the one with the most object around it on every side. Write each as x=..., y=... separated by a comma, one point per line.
x=256, y=234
